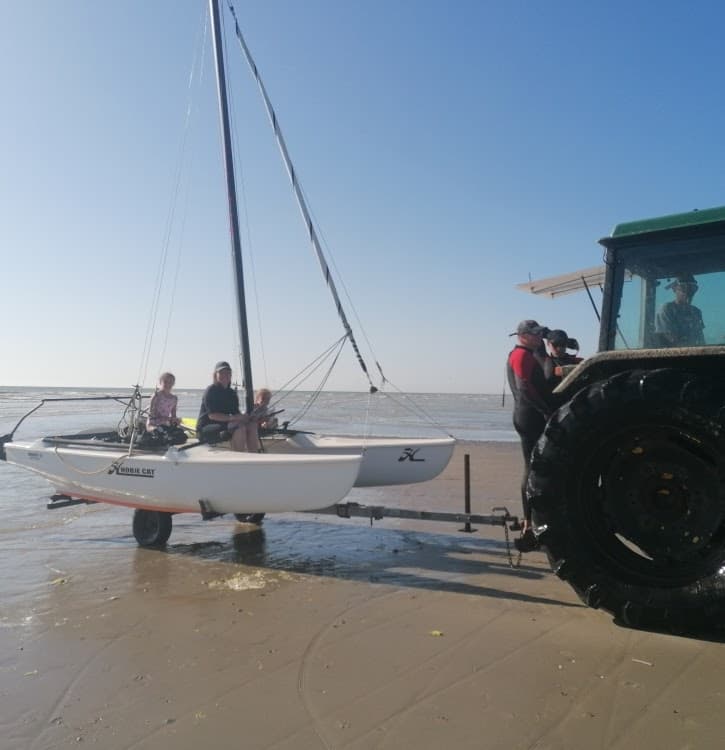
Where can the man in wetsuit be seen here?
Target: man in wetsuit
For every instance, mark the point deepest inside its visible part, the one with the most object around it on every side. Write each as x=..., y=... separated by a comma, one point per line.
x=533, y=404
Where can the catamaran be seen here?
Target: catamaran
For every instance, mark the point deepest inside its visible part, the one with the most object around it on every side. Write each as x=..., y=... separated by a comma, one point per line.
x=297, y=471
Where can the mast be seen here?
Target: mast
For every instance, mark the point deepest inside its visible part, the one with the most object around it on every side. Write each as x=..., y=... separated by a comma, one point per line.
x=232, y=198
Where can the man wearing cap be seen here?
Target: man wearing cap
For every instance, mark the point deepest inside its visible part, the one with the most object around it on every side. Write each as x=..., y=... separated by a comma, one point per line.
x=679, y=322
x=533, y=403
x=219, y=415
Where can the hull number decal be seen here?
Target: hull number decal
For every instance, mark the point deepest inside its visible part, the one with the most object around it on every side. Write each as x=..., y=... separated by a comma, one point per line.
x=133, y=471
x=409, y=455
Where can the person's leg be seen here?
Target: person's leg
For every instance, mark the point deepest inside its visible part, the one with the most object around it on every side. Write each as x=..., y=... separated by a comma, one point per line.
x=252, y=436
x=529, y=427
x=239, y=439
x=528, y=441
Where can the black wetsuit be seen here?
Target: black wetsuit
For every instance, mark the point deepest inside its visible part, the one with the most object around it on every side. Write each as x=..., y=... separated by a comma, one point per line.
x=220, y=400
x=552, y=362
x=533, y=403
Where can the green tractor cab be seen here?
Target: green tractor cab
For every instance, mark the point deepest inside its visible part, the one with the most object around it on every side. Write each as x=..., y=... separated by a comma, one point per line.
x=627, y=482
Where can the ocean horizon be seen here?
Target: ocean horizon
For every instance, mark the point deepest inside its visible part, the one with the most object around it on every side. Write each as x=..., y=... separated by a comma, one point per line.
x=474, y=417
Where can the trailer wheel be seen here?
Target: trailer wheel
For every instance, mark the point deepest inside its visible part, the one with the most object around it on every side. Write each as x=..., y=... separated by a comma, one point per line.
x=152, y=528
x=627, y=486
x=253, y=518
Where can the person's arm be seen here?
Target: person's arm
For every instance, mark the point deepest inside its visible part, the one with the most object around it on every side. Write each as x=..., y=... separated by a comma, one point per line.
x=152, y=417
x=216, y=404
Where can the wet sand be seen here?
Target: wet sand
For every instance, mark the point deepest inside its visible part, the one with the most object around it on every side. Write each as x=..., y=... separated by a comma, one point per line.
x=316, y=632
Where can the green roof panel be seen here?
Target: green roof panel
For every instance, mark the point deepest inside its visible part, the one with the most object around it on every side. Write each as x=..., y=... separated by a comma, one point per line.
x=673, y=221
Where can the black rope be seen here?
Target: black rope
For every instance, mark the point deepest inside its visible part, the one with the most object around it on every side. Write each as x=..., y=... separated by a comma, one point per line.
x=298, y=191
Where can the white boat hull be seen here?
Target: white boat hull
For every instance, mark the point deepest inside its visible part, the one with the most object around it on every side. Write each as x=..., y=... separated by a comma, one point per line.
x=175, y=481
x=385, y=461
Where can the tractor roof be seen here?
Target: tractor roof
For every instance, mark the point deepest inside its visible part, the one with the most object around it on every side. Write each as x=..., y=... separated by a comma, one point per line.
x=671, y=223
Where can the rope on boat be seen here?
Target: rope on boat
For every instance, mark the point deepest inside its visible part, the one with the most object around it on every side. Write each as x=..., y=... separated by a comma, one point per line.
x=104, y=470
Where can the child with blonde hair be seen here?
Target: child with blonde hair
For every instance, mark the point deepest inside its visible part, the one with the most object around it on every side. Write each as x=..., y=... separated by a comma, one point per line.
x=162, y=410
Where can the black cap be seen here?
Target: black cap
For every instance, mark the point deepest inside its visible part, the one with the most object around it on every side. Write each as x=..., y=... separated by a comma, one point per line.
x=531, y=327
x=558, y=337
x=219, y=366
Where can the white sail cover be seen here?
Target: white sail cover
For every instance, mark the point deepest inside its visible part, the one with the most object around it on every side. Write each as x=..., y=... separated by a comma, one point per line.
x=556, y=286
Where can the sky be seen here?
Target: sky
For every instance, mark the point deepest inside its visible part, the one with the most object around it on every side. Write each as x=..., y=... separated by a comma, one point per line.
x=449, y=150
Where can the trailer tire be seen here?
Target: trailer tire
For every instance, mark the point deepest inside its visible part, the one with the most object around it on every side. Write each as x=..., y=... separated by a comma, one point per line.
x=253, y=518
x=627, y=486
x=152, y=528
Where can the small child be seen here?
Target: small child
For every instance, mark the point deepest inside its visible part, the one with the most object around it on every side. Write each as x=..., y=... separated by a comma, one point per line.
x=162, y=410
x=265, y=420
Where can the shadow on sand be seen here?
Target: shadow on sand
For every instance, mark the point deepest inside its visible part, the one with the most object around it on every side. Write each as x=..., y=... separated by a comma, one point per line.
x=357, y=552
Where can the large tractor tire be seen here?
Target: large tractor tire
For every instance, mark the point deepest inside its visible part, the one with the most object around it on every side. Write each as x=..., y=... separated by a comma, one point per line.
x=627, y=485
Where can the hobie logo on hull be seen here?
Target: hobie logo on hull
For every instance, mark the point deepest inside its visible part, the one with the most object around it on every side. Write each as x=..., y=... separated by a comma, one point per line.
x=409, y=455
x=132, y=471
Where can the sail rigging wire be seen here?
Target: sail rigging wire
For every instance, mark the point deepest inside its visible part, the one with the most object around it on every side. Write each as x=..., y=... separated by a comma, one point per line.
x=316, y=393
x=311, y=230
x=361, y=327
x=200, y=55
x=296, y=380
x=414, y=408
x=166, y=242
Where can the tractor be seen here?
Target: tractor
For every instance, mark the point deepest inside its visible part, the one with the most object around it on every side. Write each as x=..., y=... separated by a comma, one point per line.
x=627, y=482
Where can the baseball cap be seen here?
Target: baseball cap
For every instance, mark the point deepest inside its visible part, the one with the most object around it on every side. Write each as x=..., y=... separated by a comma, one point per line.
x=683, y=279
x=530, y=327
x=219, y=366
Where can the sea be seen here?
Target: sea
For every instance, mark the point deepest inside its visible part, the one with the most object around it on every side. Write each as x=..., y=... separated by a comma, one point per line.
x=465, y=416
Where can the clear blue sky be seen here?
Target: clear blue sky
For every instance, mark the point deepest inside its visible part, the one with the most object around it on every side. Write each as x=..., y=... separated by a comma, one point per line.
x=449, y=150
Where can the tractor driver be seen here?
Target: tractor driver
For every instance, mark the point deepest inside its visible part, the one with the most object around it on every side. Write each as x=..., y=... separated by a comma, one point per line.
x=679, y=322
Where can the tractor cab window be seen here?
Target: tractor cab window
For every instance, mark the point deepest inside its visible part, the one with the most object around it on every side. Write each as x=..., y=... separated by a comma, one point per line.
x=671, y=300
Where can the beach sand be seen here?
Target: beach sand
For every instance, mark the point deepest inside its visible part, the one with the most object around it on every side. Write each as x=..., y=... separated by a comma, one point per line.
x=317, y=632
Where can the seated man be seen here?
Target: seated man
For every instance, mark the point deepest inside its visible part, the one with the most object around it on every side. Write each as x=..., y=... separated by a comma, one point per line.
x=679, y=323
x=219, y=415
